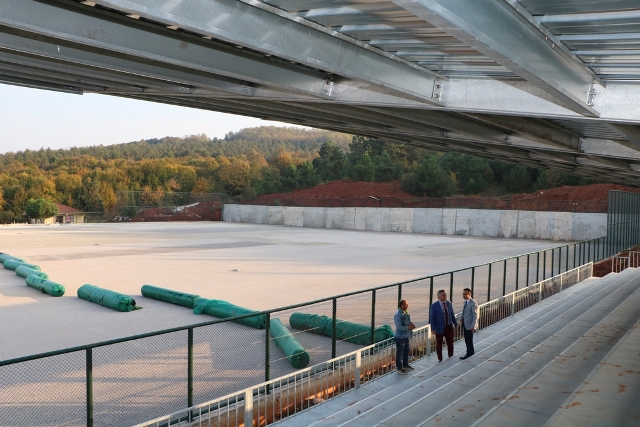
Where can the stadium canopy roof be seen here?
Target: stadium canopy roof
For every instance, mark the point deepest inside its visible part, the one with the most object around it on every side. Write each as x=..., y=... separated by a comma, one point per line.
x=540, y=83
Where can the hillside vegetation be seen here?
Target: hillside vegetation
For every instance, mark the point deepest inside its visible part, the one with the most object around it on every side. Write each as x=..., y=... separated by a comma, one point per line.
x=246, y=164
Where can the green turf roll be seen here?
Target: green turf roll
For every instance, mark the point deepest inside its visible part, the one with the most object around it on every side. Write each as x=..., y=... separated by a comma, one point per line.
x=355, y=333
x=5, y=257
x=45, y=286
x=12, y=264
x=107, y=298
x=167, y=295
x=224, y=309
x=24, y=271
x=295, y=352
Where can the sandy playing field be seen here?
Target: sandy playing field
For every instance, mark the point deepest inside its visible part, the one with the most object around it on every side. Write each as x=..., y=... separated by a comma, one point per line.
x=256, y=266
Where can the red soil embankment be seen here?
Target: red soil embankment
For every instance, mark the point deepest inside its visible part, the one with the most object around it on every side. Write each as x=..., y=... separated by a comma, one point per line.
x=590, y=198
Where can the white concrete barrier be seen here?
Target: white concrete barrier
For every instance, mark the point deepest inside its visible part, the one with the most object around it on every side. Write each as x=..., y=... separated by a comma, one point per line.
x=463, y=222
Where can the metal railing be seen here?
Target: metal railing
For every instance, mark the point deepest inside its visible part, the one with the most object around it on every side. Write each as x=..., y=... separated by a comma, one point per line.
x=266, y=403
x=271, y=401
x=133, y=379
x=619, y=263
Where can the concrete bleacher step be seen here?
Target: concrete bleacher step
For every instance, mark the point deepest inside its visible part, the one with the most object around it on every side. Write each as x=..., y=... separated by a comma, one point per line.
x=610, y=392
x=508, y=355
x=570, y=355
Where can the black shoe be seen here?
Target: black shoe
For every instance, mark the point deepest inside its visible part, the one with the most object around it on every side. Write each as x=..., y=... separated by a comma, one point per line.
x=409, y=368
x=464, y=357
x=402, y=372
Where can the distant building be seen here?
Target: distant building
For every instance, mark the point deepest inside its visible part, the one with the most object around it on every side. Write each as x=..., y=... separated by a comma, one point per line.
x=65, y=215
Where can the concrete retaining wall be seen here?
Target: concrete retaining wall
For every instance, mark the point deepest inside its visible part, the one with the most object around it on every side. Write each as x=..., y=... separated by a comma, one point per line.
x=463, y=222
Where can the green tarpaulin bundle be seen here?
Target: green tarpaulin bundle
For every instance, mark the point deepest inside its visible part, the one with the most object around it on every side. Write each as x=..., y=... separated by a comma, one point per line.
x=12, y=264
x=5, y=257
x=224, y=309
x=45, y=286
x=107, y=298
x=167, y=295
x=295, y=352
x=24, y=271
x=355, y=333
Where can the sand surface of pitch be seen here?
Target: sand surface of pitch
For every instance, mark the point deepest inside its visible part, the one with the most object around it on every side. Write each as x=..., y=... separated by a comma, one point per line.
x=255, y=266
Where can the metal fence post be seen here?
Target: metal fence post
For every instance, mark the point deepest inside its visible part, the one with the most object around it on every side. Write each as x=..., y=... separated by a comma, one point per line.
x=89, y=379
x=528, y=270
x=267, y=349
x=553, y=256
x=504, y=278
x=373, y=316
x=399, y=292
x=430, y=291
x=517, y=272
x=539, y=291
x=190, y=367
x=537, y=267
x=451, y=288
x=334, y=315
x=473, y=279
x=489, y=285
x=248, y=407
x=358, y=366
x=544, y=265
x=513, y=303
x=566, y=263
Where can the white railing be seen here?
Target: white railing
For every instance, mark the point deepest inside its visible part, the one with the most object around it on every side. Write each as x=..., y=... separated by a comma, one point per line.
x=503, y=307
x=619, y=263
x=269, y=402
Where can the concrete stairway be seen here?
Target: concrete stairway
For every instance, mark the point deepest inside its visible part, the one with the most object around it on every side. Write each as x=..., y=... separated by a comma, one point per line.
x=537, y=368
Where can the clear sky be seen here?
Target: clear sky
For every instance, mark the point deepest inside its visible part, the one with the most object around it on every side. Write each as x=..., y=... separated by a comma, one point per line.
x=34, y=118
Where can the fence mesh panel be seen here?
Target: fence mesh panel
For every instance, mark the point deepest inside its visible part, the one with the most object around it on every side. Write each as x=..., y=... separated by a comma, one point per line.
x=318, y=346
x=355, y=309
x=481, y=282
x=135, y=380
x=44, y=392
x=227, y=357
x=418, y=295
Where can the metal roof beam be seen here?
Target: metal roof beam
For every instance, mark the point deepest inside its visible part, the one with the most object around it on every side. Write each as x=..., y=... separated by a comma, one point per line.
x=498, y=31
x=251, y=24
x=68, y=32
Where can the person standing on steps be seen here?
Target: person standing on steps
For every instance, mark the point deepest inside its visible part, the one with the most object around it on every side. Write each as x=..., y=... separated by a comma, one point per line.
x=470, y=315
x=401, y=337
x=443, y=322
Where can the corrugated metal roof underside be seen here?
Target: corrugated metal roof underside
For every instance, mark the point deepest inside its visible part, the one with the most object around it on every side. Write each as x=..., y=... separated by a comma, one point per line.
x=388, y=27
x=604, y=35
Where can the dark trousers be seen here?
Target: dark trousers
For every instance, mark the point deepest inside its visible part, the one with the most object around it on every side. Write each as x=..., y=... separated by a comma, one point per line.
x=402, y=352
x=448, y=336
x=468, y=340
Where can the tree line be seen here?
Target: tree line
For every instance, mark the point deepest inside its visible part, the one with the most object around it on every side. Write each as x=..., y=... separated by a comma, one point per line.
x=247, y=164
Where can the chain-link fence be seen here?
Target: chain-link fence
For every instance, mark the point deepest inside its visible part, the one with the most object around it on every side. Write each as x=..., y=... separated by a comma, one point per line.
x=590, y=206
x=164, y=206
x=127, y=381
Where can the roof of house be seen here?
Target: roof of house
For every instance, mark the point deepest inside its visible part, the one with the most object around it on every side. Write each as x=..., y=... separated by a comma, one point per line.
x=63, y=209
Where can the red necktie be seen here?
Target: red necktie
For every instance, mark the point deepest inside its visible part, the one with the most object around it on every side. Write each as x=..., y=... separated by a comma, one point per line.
x=446, y=314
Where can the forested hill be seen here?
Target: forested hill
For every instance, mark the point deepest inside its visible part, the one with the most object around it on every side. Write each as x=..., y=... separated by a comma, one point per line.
x=266, y=140
x=249, y=163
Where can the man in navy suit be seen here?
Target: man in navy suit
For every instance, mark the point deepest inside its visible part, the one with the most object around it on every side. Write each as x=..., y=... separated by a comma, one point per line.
x=443, y=321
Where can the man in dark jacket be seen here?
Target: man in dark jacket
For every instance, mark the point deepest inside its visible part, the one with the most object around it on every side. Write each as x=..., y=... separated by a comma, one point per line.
x=443, y=321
